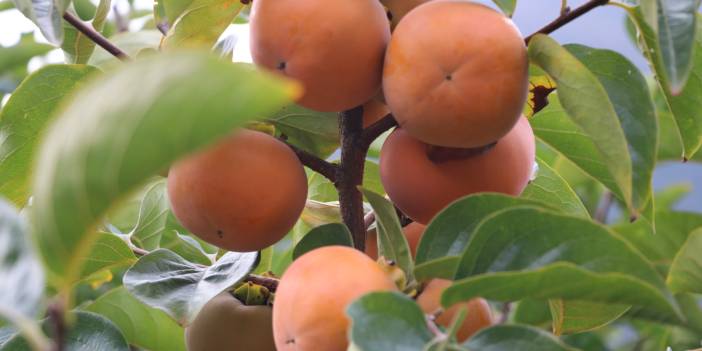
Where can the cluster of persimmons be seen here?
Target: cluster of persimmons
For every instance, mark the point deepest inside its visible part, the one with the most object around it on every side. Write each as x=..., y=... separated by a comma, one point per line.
x=453, y=73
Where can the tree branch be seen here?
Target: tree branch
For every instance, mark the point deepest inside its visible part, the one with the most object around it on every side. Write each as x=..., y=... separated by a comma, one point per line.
x=327, y=169
x=567, y=16
x=602, y=211
x=56, y=316
x=376, y=129
x=95, y=36
x=350, y=173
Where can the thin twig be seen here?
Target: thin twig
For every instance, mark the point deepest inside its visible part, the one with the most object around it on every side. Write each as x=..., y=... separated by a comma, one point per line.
x=567, y=17
x=95, y=36
x=315, y=163
x=506, y=308
x=602, y=211
x=376, y=129
x=350, y=173
x=57, y=318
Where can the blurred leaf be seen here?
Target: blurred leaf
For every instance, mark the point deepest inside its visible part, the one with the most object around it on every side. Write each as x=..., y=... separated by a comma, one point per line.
x=387, y=321
x=669, y=197
x=108, y=252
x=555, y=256
x=6, y=5
x=186, y=247
x=451, y=230
x=19, y=54
x=628, y=92
x=392, y=243
x=143, y=326
x=672, y=68
x=130, y=42
x=592, y=114
x=47, y=15
x=225, y=47
x=324, y=235
x=89, y=332
x=578, y=316
x=23, y=121
x=201, y=23
x=153, y=213
x=312, y=131
x=101, y=149
x=550, y=188
x=85, y=9
x=166, y=281
x=77, y=48
x=507, y=6
x=20, y=271
x=672, y=230
x=686, y=270
x=532, y=312
x=167, y=11
x=515, y=337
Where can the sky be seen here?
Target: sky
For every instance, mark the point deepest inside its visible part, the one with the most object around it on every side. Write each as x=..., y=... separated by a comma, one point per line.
x=602, y=28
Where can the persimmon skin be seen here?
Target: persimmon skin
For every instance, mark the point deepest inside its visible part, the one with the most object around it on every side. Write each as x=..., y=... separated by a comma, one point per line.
x=309, y=311
x=242, y=194
x=373, y=111
x=335, y=48
x=422, y=188
x=456, y=74
x=413, y=232
x=226, y=324
x=479, y=313
x=399, y=8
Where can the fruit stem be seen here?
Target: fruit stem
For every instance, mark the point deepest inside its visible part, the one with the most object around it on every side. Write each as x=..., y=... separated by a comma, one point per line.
x=376, y=129
x=95, y=36
x=566, y=17
x=326, y=169
x=349, y=175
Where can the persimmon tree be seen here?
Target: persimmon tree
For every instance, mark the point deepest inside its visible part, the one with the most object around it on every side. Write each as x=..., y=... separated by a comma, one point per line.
x=387, y=175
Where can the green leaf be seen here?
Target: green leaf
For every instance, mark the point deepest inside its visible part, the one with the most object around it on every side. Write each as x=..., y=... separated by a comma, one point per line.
x=20, y=271
x=167, y=11
x=628, y=91
x=19, y=54
x=392, y=243
x=532, y=312
x=556, y=256
x=324, y=235
x=108, y=252
x=677, y=26
x=89, y=332
x=166, y=281
x=451, y=230
x=668, y=198
x=186, y=247
x=321, y=189
x=143, y=326
x=101, y=149
x=201, y=23
x=6, y=5
x=686, y=271
x=578, y=316
x=153, y=213
x=672, y=230
x=682, y=98
x=313, y=131
x=23, y=121
x=129, y=42
x=549, y=187
x=77, y=48
x=387, y=321
x=507, y=6
x=589, y=108
x=47, y=15
x=514, y=337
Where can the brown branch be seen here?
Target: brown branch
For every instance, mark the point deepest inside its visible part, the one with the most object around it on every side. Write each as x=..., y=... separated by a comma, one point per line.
x=350, y=173
x=376, y=129
x=95, y=36
x=327, y=169
x=567, y=17
x=602, y=211
x=56, y=316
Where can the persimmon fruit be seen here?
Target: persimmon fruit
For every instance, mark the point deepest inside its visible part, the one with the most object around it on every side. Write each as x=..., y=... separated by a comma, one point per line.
x=226, y=324
x=479, y=313
x=335, y=48
x=456, y=74
x=243, y=194
x=309, y=311
x=421, y=188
